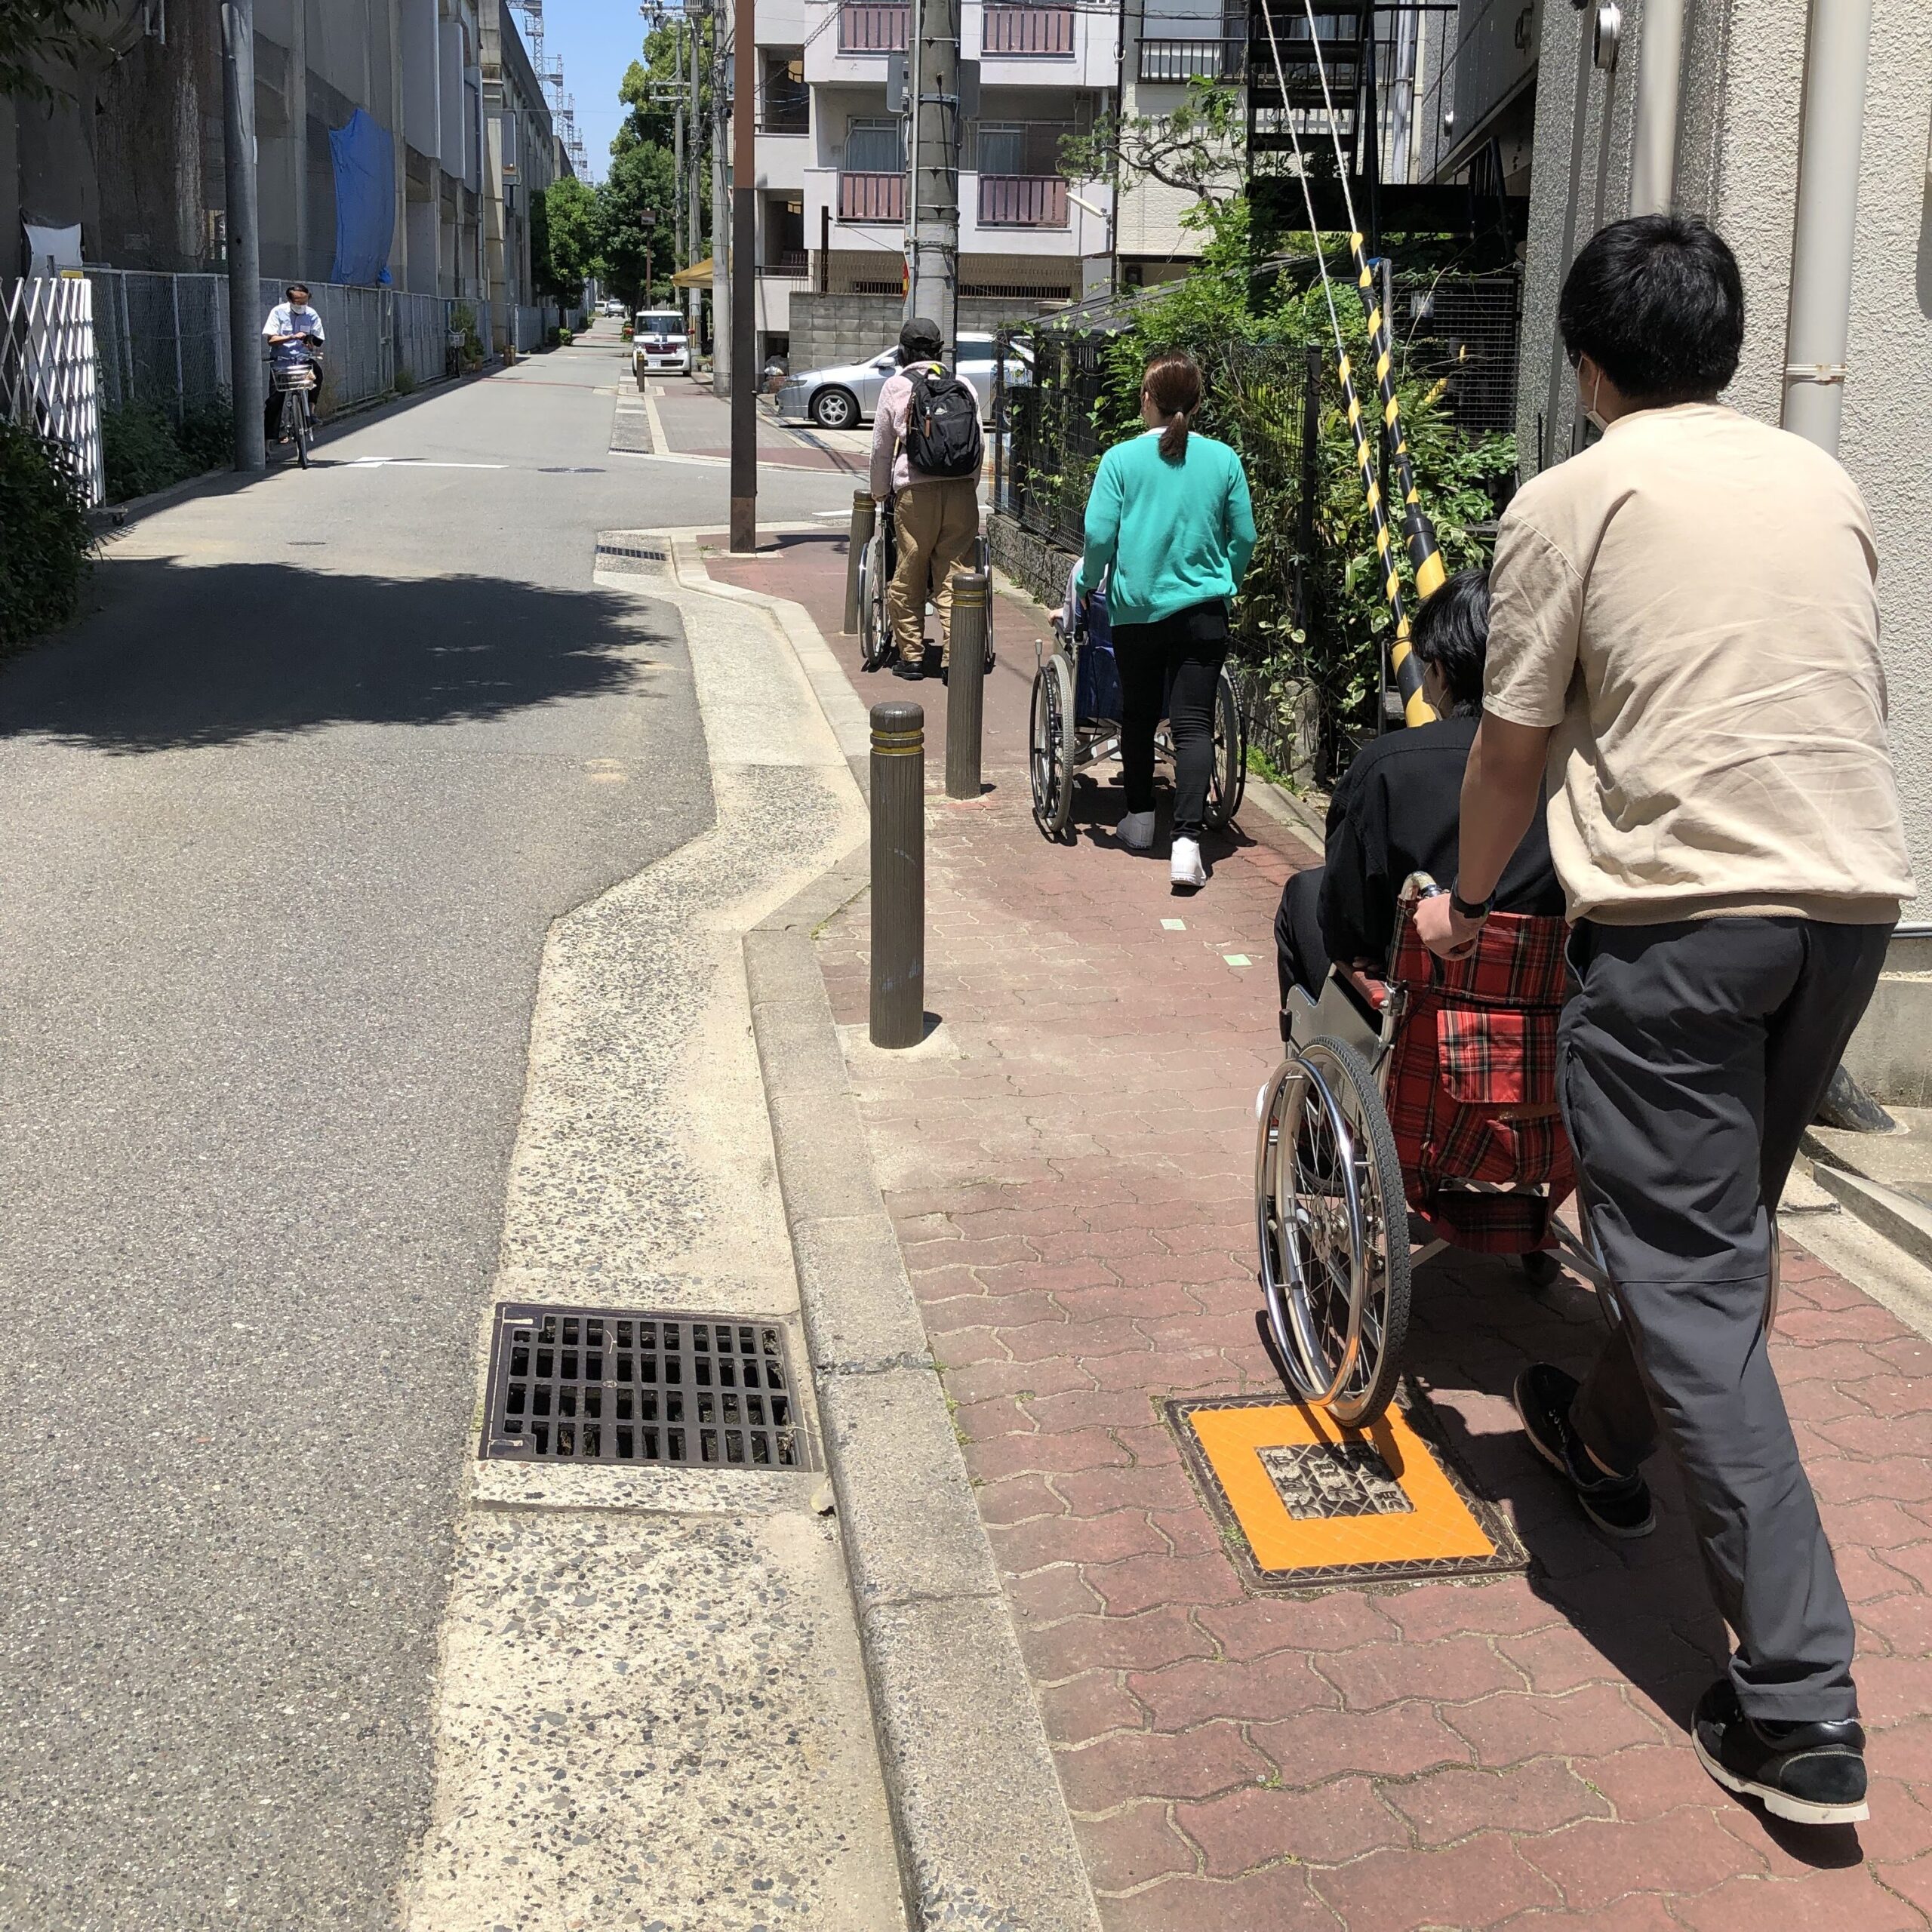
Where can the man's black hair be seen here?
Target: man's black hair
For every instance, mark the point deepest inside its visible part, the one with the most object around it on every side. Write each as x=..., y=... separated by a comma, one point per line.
x=1657, y=302
x=1452, y=632
x=288, y=293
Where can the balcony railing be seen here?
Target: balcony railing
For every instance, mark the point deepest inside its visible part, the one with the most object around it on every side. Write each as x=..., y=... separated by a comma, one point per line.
x=872, y=197
x=874, y=26
x=1027, y=31
x=1022, y=201
x=785, y=114
x=1192, y=60
x=793, y=265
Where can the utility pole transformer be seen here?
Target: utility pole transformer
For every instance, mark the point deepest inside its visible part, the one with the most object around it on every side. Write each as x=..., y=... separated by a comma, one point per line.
x=245, y=252
x=744, y=278
x=932, y=206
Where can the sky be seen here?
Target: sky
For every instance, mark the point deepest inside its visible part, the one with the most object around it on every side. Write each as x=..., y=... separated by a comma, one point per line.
x=596, y=40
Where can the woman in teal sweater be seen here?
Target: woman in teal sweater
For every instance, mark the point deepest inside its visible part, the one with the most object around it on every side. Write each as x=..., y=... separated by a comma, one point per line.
x=1169, y=514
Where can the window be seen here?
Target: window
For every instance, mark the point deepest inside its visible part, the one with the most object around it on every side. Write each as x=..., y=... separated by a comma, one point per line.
x=784, y=104
x=1002, y=147
x=875, y=147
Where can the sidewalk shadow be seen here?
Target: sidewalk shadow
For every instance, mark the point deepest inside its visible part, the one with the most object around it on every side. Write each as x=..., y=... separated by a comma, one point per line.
x=176, y=655
x=1644, y=1606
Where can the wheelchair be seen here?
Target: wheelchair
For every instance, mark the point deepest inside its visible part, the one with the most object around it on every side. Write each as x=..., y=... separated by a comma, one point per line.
x=1412, y=1113
x=1074, y=719
x=877, y=564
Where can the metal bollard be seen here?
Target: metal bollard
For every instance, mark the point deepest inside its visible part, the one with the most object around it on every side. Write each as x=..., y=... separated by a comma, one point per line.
x=966, y=685
x=899, y=874
x=864, y=519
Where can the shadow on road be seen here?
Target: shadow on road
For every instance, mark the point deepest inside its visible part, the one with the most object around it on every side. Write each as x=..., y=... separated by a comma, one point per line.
x=180, y=655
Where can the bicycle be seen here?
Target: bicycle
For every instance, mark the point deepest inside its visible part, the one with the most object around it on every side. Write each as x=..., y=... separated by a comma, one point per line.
x=296, y=379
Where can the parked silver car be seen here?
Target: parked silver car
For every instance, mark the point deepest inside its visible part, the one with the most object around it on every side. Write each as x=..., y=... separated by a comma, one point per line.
x=843, y=397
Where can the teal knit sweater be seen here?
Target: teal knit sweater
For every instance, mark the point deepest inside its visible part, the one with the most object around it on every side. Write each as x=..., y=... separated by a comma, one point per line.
x=1175, y=533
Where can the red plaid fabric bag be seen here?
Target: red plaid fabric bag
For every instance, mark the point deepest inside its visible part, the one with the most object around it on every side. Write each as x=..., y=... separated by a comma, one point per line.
x=1471, y=1086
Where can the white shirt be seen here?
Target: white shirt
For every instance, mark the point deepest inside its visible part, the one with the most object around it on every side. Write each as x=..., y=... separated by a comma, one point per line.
x=293, y=319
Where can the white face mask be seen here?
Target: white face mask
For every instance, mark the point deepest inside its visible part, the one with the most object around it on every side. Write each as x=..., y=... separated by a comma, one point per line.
x=1591, y=413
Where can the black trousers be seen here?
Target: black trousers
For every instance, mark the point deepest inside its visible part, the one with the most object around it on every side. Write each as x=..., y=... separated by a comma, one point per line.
x=1191, y=645
x=1694, y=1056
x=1301, y=954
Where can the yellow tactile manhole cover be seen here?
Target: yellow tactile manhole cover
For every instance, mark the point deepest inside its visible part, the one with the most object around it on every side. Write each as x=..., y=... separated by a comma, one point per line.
x=1308, y=1503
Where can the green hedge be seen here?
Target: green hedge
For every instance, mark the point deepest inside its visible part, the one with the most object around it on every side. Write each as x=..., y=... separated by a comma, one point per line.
x=45, y=539
x=147, y=449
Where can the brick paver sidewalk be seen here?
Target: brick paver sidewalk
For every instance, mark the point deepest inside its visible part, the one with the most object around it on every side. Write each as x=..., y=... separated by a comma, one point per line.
x=1069, y=1165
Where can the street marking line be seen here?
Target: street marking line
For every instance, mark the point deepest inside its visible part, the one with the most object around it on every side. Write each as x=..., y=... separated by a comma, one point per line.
x=414, y=463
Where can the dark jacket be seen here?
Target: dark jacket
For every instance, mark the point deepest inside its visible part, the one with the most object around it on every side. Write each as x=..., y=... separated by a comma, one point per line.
x=1396, y=812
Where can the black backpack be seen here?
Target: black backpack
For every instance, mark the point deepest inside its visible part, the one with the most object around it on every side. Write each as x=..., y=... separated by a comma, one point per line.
x=942, y=424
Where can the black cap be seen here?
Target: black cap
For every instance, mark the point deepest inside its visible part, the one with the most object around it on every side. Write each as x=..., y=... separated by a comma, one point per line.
x=919, y=339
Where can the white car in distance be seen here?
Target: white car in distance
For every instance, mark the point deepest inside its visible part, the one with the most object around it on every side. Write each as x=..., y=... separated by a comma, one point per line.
x=660, y=343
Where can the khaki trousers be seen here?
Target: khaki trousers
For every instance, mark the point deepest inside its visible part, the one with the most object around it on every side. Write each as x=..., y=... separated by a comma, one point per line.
x=938, y=524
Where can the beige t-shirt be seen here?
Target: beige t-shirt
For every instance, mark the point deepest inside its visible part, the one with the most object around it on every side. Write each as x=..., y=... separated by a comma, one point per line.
x=1690, y=603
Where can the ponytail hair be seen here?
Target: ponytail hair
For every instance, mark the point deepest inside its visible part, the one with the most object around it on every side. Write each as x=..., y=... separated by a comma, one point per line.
x=1172, y=382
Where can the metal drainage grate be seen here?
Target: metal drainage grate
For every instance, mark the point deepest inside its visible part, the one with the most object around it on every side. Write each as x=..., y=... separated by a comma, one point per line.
x=631, y=556
x=596, y=1385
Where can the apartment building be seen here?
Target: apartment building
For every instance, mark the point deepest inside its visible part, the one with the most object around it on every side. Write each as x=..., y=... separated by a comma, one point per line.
x=520, y=155
x=1169, y=44
x=833, y=157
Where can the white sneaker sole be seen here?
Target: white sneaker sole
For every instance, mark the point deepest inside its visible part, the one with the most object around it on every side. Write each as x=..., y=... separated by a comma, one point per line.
x=1780, y=1804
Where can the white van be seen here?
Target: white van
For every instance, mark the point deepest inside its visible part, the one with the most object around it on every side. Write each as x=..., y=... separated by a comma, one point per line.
x=658, y=341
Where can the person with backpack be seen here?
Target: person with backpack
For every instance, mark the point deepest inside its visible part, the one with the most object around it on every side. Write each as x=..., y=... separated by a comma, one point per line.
x=926, y=448
x=1170, y=525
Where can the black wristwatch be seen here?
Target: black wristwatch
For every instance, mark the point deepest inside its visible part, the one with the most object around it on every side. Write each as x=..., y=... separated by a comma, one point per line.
x=1463, y=909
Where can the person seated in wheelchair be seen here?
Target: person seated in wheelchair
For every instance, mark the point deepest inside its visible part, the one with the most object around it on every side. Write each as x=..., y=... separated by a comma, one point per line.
x=1396, y=812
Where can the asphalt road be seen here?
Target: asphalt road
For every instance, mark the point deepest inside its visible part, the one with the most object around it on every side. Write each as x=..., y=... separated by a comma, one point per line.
x=289, y=815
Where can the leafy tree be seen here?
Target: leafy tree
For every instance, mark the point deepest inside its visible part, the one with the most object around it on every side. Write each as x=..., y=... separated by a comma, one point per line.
x=642, y=184
x=1196, y=148
x=36, y=32
x=565, y=234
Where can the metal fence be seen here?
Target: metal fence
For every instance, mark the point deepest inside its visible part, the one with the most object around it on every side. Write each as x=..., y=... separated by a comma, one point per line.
x=47, y=380
x=163, y=338
x=531, y=327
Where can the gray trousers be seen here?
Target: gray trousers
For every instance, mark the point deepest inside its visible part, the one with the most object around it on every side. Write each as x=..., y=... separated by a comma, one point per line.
x=1693, y=1057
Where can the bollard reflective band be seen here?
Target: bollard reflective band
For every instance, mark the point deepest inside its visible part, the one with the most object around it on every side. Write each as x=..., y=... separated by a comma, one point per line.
x=908, y=744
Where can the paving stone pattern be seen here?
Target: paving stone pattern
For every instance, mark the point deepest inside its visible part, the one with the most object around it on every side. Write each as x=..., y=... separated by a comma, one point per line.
x=1068, y=1163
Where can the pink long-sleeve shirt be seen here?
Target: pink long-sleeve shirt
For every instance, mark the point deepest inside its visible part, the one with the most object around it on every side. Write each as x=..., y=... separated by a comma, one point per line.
x=890, y=469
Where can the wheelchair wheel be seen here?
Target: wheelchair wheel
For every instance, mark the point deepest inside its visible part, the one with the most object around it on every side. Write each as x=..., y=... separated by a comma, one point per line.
x=1050, y=746
x=875, y=624
x=1332, y=1227
x=982, y=562
x=1227, y=777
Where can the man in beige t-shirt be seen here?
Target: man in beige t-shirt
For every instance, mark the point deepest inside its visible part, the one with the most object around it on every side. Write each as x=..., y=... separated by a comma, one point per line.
x=1683, y=633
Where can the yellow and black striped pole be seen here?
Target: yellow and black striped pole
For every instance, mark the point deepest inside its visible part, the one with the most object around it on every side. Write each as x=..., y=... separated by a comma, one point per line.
x=1416, y=708
x=1425, y=555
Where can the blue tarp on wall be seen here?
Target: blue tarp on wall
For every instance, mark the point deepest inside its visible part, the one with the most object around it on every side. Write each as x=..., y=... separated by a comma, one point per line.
x=364, y=156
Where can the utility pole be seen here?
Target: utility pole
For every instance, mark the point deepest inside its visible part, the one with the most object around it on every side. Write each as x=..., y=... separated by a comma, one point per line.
x=744, y=279
x=678, y=164
x=932, y=287
x=688, y=188
x=245, y=252
x=720, y=213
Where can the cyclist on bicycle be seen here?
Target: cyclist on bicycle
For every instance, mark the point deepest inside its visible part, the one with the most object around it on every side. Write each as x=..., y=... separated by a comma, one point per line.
x=1169, y=520
x=294, y=332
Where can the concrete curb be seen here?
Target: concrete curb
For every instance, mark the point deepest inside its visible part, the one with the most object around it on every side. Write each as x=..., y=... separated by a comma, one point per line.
x=985, y=1839
x=986, y=1844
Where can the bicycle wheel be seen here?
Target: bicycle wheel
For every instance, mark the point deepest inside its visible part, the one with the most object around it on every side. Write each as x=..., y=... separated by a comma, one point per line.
x=875, y=622
x=305, y=430
x=1050, y=746
x=1227, y=777
x=1333, y=1229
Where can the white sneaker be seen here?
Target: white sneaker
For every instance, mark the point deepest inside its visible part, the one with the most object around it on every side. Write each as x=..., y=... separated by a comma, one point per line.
x=1186, y=867
x=1136, y=830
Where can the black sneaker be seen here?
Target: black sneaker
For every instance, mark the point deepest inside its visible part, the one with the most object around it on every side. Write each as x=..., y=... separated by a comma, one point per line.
x=1811, y=1774
x=914, y=670
x=1619, y=1505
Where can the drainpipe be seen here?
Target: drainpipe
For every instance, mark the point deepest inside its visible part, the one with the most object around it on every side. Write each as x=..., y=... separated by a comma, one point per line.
x=1654, y=140
x=1820, y=320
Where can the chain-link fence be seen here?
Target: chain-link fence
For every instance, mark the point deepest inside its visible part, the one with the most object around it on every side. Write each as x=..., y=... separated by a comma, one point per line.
x=1464, y=329
x=163, y=338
